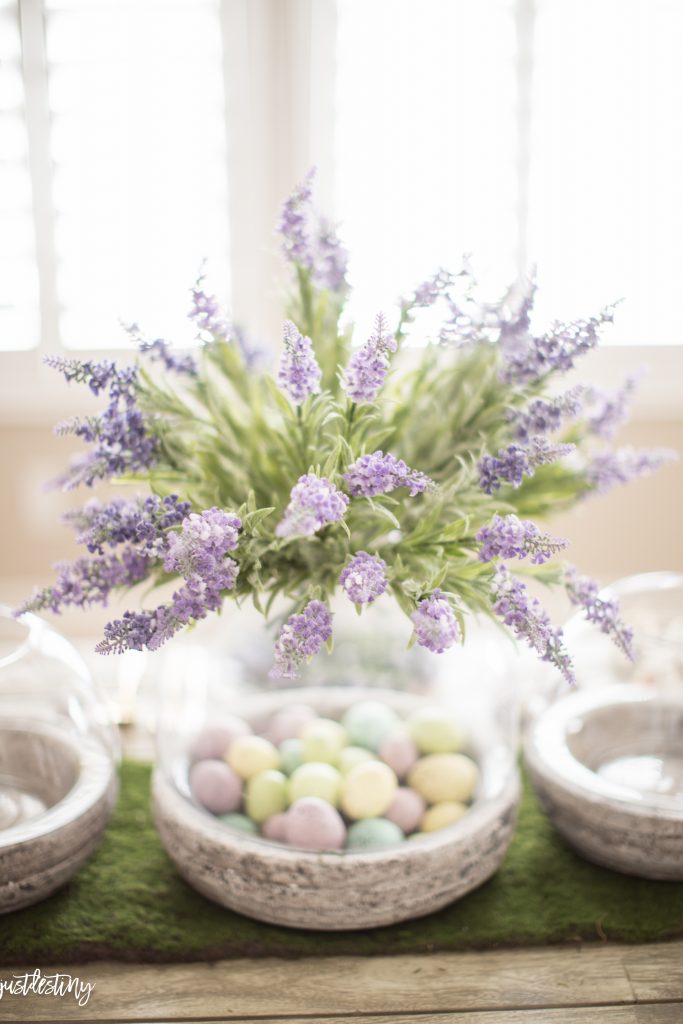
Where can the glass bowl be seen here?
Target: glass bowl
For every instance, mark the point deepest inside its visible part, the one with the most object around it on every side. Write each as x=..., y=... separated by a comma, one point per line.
x=58, y=753
x=221, y=676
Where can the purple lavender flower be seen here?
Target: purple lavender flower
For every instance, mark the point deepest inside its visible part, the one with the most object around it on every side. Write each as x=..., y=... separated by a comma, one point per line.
x=436, y=626
x=364, y=578
x=611, y=409
x=529, y=621
x=88, y=581
x=545, y=417
x=207, y=314
x=608, y=469
x=528, y=358
x=140, y=521
x=367, y=368
x=293, y=225
x=313, y=502
x=515, y=462
x=200, y=547
x=510, y=537
x=299, y=374
x=330, y=259
x=161, y=351
x=121, y=444
x=121, y=382
x=431, y=290
x=380, y=473
x=300, y=639
x=584, y=592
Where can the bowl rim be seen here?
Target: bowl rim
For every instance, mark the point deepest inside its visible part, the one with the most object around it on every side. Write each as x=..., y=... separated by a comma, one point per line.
x=547, y=752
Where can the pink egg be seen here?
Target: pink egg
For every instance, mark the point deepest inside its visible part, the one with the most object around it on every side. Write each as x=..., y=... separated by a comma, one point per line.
x=275, y=827
x=287, y=723
x=215, y=786
x=406, y=809
x=214, y=740
x=399, y=752
x=313, y=824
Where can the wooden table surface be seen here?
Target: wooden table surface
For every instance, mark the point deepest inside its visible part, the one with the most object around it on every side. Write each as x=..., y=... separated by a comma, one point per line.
x=607, y=983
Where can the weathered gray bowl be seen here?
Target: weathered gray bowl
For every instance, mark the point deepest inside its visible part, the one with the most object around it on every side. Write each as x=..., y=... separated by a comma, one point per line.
x=607, y=765
x=57, y=792
x=346, y=890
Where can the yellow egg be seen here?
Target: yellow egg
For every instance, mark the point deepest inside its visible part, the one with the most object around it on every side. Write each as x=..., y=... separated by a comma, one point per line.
x=368, y=790
x=440, y=815
x=351, y=756
x=444, y=777
x=322, y=740
x=266, y=795
x=435, y=731
x=250, y=755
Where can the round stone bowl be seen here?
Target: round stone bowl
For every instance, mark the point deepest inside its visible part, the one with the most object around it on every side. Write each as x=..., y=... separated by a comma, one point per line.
x=342, y=890
x=607, y=765
x=57, y=792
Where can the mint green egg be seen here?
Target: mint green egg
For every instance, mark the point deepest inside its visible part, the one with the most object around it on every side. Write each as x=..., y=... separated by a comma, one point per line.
x=265, y=795
x=368, y=722
x=291, y=752
x=373, y=834
x=240, y=822
x=315, y=779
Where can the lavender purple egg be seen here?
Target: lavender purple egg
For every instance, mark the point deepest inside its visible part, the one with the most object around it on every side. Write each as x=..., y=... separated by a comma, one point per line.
x=288, y=723
x=313, y=824
x=215, y=786
x=406, y=809
x=275, y=827
x=214, y=741
x=399, y=752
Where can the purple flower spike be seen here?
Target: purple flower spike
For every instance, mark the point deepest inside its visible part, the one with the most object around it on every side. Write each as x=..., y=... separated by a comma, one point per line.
x=436, y=627
x=380, y=473
x=528, y=358
x=611, y=410
x=510, y=537
x=207, y=315
x=367, y=368
x=299, y=374
x=364, y=578
x=293, y=226
x=331, y=259
x=200, y=547
x=313, y=503
x=584, y=592
x=515, y=462
x=528, y=620
x=143, y=522
x=608, y=469
x=545, y=417
x=300, y=639
x=88, y=581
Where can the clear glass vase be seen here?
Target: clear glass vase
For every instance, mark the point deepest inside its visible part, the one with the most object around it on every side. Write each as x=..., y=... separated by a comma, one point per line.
x=58, y=754
x=223, y=671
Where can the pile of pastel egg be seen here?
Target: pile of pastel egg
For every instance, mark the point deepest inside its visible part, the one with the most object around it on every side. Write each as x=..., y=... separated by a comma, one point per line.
x=368, y=781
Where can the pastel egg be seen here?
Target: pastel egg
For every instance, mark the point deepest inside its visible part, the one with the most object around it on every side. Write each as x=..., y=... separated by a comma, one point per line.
x=323, y=740
x=315, y=779
x=435, y=731
x=265, y=795
x=368, y=722
x=373, y=834
x=275, y=828
x=441, y=815
x=214, y=740
x=249, y=755
x=287, y=723
x=398, y=751
x=406, y=809
x=240, y=822
x=444, y=777
x=351, y=756
x=215, y=786
x=313, y=824
x=291, y=755
x=368, y=790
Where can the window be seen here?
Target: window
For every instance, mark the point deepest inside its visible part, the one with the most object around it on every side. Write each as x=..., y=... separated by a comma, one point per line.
x=135, y=163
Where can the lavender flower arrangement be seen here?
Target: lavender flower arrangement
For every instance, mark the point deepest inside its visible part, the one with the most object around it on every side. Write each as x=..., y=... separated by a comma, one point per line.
x=345, y=466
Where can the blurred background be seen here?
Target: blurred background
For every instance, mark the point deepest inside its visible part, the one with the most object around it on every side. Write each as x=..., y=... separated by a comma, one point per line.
x=140, y=137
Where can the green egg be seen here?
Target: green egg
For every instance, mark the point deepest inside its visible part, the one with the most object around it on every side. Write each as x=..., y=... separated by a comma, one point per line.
x=291, y=752
x=266, y=795
x=351, y=756
x=373, y=834
x=322, y=741
x=240, y=822
x=368, y=722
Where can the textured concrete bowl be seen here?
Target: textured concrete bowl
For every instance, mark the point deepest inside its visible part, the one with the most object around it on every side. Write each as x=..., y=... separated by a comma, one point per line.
x=346, y=890
x=607, y=765
x=57, y=792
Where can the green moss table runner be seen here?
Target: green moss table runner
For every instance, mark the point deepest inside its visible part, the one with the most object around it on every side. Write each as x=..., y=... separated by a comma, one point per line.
x=128, y=903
